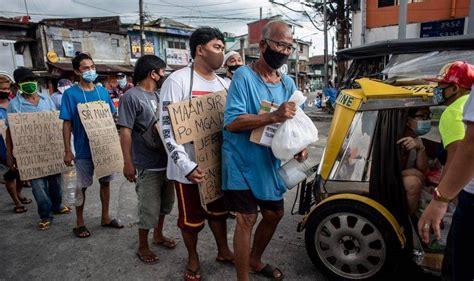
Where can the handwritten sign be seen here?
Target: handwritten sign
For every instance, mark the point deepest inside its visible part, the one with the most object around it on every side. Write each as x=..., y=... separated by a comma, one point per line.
x=37, y=144
x=208, y=150
x=210, y=189
x=198, y=117
x=97, y=120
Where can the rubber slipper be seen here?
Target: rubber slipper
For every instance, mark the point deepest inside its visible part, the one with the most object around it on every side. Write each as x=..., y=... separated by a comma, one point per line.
x=63, y=211
x=81, y=230
x=20, y=209
x=146, y=258
x=194, y=276
x=167, y=243
x=113, y=224
x=43, y=225
x=269, y=271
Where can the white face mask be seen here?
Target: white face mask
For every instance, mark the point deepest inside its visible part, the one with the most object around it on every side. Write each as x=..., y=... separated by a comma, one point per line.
x=63, y=89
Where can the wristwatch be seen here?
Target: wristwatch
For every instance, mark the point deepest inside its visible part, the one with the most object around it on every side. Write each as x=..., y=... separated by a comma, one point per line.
x=438, y=197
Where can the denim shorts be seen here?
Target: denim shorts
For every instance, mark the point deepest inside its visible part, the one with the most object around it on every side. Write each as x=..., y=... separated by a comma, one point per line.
x=85, y=173
x=155, y=197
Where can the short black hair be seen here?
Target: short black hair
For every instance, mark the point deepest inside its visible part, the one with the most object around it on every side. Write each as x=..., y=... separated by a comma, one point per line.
x=76, y=61
x=145, y=65
x=202, y=36
x=412, y=111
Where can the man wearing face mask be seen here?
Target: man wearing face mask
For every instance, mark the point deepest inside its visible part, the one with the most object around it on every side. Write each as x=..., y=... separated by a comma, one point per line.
x=414, y=158
x=232, y=61
x=249, y=170
x=84, y=92
x=453, y=89
x=207, y=47
x=122, y=86
x=46, y=190
x=63, y=85
x=144, y=155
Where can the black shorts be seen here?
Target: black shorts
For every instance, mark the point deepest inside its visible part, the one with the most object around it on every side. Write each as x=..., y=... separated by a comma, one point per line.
x=244, y=202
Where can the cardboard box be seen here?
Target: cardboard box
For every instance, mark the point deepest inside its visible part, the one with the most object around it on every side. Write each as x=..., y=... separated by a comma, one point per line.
x=264, y=135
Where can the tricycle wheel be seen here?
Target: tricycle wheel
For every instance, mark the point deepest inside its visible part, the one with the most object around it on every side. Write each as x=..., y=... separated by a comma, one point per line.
x=349, y=240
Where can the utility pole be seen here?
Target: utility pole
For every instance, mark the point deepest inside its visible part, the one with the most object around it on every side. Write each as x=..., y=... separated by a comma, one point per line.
x=297, y=66
x=333, y=65
x=402, y=20
x=325, y=44
x=470, y=24
x=260, y=12
x=142, y=29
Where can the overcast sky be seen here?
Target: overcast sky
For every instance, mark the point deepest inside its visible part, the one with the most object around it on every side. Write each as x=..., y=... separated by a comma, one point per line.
x=227, y=15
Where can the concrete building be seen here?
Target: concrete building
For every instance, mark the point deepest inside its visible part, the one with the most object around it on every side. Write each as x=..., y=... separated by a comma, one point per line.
x=377, y=20
x=316, y=71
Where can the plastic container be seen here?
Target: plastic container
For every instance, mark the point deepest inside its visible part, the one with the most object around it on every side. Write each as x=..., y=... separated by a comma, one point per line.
x=127, y=212
x=72, y=195
x=294, y=172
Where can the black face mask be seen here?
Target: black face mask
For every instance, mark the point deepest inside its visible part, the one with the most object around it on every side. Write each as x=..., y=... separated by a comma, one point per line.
x=233, y=68
x=273, y=58
x=160, y=82
x=4, y=95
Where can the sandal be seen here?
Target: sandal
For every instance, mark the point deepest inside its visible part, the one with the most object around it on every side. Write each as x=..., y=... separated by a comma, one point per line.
x=113, y=224
x=25, y=201
x=81, y=232
x=63, y=211
x=166, y=243
x=148, y=259
x=192, y=275
x=43, y=225
x=20, y=209
x=269, y=271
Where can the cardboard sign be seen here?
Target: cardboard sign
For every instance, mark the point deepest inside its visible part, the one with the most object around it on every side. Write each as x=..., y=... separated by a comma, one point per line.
x=208, y=150
x=264, y=135
x=97, y=120
x=198, y=117
x=37, y=143
x=3, y=131
x=210, y=189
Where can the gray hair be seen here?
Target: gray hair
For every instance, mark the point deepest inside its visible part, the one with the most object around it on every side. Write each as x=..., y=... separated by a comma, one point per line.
x=267, y=28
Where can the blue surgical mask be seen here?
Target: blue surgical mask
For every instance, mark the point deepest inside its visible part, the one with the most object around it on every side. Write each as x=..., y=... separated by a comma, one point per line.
x=89, y=75
x=122, y=82
x=422, y=127
x=438, y=95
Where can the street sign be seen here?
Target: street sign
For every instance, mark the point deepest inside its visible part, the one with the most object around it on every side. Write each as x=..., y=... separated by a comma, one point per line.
x=229, y=39
x=442, y=28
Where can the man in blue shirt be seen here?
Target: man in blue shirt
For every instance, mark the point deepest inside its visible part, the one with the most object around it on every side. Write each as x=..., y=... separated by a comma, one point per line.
x=249, y=170
x=46, y=190
x=84, y=92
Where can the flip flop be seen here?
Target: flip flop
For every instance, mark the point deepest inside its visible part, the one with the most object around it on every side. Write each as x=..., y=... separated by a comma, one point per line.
x=194, y=276
x=63, y=211
x=225, y=261
x=113, y=224
x=269, y=271
x=81, y=230
x=145, y=258
x=43, y=225
x=25, y=201
x=20, y=209
x=167, y=243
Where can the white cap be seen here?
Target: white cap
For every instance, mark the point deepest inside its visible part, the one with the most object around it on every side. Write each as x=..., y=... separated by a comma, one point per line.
x=228, y=55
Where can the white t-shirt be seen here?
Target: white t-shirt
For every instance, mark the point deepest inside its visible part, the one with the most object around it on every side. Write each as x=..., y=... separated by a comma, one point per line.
x=469, y=117
x=181, y=158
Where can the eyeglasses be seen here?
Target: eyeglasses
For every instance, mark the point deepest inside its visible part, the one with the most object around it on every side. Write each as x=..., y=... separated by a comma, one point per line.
x=424, y=116
x=281, y=46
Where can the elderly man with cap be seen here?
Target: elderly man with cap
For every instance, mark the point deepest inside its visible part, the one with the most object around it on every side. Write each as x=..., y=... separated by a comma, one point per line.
x=46, y=190
x=232, y=61
x=57, y=97
x=122, y=86
x=454, y=86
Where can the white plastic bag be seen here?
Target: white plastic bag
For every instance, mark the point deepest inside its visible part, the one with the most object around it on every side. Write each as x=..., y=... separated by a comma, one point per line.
x=294, y=134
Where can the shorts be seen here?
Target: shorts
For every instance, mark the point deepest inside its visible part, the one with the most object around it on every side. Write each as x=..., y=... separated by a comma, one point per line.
x=85, y=173
x=244, y=202
x=192, y=215
x=155, y=197
x=8, y=174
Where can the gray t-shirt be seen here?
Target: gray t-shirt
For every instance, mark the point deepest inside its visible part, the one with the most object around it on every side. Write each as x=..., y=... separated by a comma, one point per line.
x=138, y=110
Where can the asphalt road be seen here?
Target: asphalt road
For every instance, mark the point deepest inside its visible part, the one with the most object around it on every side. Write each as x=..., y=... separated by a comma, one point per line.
x=109, y=254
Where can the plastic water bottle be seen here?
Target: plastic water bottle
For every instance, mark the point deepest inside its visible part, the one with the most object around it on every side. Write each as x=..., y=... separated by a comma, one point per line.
x=72, y=195
x=127, y=211
x=294, y=172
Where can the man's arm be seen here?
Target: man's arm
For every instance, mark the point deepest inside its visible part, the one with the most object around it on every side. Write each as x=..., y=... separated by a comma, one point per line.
x=10, y=159
x=68, y=155
x=126, y=143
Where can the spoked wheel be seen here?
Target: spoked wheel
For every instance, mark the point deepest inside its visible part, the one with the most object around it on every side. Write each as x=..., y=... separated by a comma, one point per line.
x=349, y=240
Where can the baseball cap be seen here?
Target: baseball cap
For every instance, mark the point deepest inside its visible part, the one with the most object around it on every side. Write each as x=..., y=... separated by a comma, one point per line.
x=120, y=74
x=228, y=55
x=22, y=73
x=458, y=72
x=64, y=83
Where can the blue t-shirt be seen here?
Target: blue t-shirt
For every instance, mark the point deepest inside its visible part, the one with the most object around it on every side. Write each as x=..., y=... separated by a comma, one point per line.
x=3, y=147
x=246, y=165
x=71, y=98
